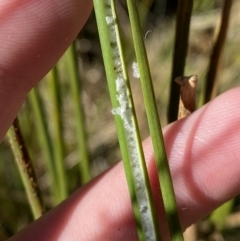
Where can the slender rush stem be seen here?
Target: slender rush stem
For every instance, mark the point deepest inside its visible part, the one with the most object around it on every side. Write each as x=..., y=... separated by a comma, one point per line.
x=215, y=61
x=26, y=169
x=44, y=141
x=154, y=126
x=127, y=129
x=57, y=137
x=180, y=52
x=74, y=79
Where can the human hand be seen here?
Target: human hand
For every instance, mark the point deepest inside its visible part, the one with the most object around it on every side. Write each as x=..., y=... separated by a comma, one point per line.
x=203, y=149
x=34, y=35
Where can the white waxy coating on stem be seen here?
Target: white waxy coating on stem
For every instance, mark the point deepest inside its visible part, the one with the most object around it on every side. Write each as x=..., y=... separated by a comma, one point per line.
x=125, y=112
x=136, y=73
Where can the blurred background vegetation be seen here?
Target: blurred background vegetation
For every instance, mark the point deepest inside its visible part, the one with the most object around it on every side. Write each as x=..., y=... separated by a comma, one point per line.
x=102, y=144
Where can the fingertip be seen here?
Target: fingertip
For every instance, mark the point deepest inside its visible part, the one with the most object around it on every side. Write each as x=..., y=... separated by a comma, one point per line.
x=204, y=155
x=34, y=35
x=38, y=33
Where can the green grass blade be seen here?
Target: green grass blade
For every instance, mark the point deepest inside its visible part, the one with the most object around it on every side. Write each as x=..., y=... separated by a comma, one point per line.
x=154, y=125
x=44, y=141
x=57, y=135
x=26, y=169
x=218, y=217
x=180, y=52
x=74, y=79
x=123, y=110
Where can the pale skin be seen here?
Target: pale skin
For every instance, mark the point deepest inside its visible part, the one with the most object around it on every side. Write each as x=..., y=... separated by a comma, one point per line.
x=188, y=85
x=203, y=149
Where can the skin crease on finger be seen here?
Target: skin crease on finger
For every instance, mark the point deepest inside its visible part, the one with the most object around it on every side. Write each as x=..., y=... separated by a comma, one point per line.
x=204, y=157
x=34, y=35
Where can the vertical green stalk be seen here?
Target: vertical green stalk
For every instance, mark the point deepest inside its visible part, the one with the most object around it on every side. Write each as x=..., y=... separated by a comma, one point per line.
x=219, y=216
x=127, y=128
x=44, y=141
x=154, y=125
x=215, y=61
x=74, y=78
x=26, y=169
x=57, y=137
x=180, y=52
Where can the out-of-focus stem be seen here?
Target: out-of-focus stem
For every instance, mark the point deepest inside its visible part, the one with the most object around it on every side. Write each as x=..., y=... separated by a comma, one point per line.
x=180, y=53
x=44, y=141
x=215, y=61
x=26, y=170
x=78, y=114
x=58, y=150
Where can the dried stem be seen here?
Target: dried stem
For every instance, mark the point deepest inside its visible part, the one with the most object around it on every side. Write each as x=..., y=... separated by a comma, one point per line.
x=26, y=169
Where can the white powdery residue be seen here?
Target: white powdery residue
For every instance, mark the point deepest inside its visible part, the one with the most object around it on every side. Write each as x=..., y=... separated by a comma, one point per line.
x=113, y=39
x=136, y=73
x=141, y=193
x=118, y=66
x=116, y=111
x=109, y=20
x=124, y=111
x=122, y=99
x=108, y=3
x=120, y=87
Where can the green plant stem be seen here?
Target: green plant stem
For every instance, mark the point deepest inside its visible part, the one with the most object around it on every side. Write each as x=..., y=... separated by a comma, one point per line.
x=44, y=141
x=125, y=119
x=154, y=126
x=26, y=169
x=74, y=78
x=219, y=216
x=215, y=60
x=180, y=52
x=57, y=136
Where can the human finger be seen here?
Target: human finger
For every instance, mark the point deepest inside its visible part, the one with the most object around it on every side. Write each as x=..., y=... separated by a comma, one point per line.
x=204, y=154
x=34, y=35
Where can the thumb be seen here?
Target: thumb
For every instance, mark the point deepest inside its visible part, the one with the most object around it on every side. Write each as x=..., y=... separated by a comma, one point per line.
x=34, y=35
